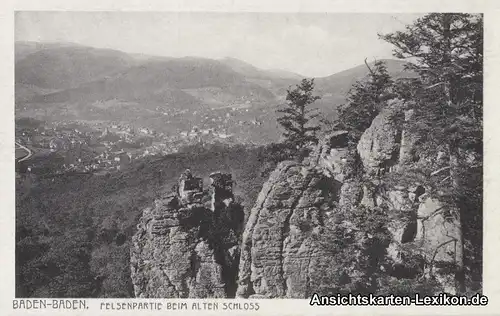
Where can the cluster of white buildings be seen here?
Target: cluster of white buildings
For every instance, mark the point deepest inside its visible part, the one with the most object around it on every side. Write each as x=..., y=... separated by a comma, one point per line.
x=198, y=133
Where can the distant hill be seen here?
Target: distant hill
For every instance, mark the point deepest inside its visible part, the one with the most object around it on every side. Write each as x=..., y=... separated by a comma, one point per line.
x=65, y=72
x=333, y=89
x=276, y=81
x=68, y=67
x=342, y=81
x=244, y=68
x=83, y=74
x=25, y=48
x=103, y=84
x=181, y=83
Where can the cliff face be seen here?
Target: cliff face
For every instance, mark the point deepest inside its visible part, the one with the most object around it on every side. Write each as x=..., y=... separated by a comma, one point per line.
x=280, y=256
x=278, y=253
x=186, y=245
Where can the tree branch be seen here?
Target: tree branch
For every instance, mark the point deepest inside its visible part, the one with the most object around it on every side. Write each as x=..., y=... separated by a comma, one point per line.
x=371, y=71
x=431, y=264
x=445, y=179
x=440, y=170
x=434, y=85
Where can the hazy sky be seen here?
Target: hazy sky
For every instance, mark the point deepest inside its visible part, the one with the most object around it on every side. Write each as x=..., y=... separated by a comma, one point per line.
x=312, y=44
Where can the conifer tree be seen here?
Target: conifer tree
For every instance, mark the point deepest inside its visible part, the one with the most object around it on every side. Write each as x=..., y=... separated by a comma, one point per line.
x=297, y=116
x=446, y=51
x=364, y=101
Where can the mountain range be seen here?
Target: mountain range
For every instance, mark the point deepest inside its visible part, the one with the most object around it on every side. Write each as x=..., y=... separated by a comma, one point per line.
x=71, y=79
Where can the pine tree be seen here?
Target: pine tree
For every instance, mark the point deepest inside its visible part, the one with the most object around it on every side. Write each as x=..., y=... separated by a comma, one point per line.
x=364, y=101
x=446, y=51
x=298, y=114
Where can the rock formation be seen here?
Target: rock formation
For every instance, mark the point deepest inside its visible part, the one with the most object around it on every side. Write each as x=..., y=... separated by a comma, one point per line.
x=279, y=254
x=190, y=244
x=186, y=244
x=424, y=220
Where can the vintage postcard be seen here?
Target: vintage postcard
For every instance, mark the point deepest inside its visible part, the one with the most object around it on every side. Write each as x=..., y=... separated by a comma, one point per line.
x=293, y=159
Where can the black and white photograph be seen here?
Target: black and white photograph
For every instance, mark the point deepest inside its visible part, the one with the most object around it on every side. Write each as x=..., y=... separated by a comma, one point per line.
x=247, y=155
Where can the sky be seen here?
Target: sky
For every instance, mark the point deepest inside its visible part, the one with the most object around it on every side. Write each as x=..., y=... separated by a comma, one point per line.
x=311, y=44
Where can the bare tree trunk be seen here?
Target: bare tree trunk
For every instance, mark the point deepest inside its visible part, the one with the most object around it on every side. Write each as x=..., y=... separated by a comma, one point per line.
x=446, y=60
x=459, y=244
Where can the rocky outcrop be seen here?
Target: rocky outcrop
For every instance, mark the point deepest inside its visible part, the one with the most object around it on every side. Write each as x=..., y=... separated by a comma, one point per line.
x=333, y=157
x=388, y=143
x=280, y=256
x=186, y=244
x=433, y=226
x=379, y=145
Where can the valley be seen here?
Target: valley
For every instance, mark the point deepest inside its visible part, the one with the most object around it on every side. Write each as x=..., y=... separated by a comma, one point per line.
x=169, y=95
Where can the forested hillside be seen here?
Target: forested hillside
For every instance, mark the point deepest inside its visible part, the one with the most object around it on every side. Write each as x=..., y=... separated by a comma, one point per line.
x=73, y=231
